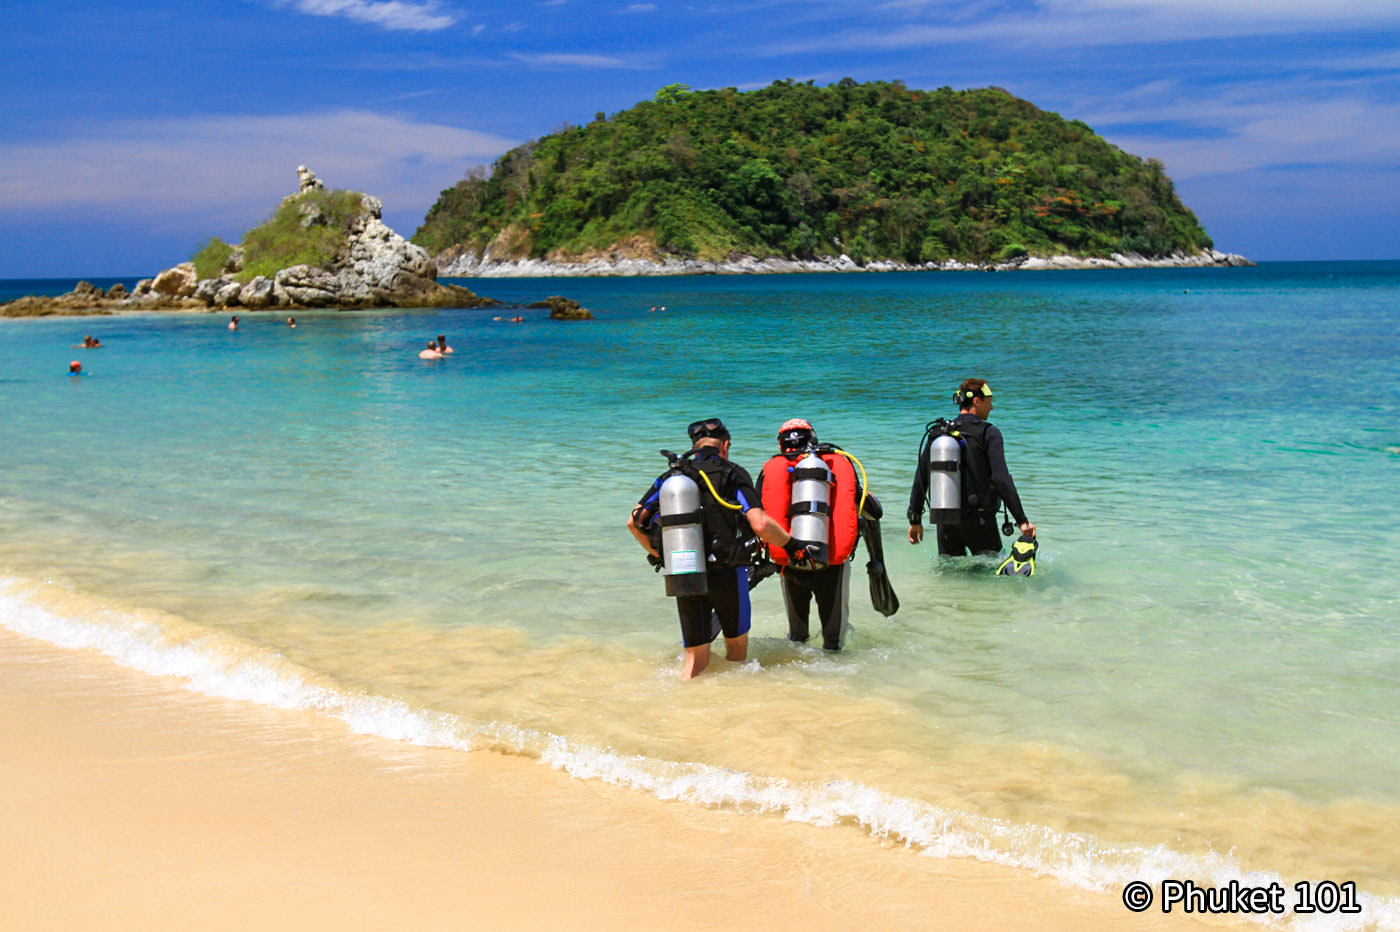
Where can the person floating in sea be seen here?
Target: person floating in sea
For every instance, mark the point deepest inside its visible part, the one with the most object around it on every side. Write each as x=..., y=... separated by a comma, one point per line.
x=233, y=323
x=75, y=368
x=91, y=342
x=812, y=490
x=974, y=469
x=442, y=346
x=706, y=551
x=291, y=321
x=431, y=352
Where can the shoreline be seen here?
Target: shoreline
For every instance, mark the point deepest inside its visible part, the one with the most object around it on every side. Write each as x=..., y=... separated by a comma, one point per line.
x=87, y=300
x=469, y=265
x=133, y=803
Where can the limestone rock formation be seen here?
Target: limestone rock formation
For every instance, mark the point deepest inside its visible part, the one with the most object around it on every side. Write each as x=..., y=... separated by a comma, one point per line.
x=372, y=266
x=178, y=282
x=307, y=180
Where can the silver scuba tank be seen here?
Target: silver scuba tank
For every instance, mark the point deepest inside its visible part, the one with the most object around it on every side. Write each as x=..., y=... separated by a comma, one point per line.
x=944, y=480
x=811, y=500
x=682, y=537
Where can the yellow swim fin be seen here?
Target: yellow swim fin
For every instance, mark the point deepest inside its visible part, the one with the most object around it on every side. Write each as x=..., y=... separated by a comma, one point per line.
x=1022, y=559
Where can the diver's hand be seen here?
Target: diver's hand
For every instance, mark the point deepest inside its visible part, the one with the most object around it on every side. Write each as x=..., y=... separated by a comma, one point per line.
x=760, y=572
x=916, y=533
x=1028, y=529
x=807, y=554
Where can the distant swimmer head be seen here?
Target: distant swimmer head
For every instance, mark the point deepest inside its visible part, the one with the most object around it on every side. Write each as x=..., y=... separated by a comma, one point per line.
x=796, y=434
x=707, y=427
x=75, y=368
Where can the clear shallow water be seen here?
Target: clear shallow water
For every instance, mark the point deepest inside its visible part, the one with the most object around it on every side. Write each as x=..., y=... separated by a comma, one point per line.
x=1200, y=681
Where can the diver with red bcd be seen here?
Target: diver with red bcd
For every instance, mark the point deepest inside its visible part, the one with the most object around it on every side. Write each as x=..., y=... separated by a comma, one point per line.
x=811, y=489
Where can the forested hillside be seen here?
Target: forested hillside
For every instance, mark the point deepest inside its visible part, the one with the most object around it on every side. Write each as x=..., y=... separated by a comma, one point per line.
x=875, y=171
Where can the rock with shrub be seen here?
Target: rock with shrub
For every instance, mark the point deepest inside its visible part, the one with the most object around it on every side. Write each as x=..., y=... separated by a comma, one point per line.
x=320, y=248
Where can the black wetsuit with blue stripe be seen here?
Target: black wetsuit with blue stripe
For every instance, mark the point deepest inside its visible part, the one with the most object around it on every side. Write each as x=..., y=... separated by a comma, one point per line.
x=728, y=535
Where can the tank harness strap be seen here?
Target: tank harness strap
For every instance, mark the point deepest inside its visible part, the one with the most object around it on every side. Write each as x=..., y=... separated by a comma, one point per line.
x=823, y=474
x=809, y=508
x=945, y=465
x=690, y=517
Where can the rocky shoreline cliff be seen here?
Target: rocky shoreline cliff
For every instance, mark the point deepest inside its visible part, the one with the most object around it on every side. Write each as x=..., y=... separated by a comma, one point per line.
x=453, y=264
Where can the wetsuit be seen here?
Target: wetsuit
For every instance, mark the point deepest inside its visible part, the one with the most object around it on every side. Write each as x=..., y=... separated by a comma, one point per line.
x=728, y=536
x=986, y=483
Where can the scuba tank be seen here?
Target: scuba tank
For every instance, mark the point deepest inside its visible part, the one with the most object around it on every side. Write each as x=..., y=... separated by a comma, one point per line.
x=944, y=475
x=810, y=513
x=682, y=536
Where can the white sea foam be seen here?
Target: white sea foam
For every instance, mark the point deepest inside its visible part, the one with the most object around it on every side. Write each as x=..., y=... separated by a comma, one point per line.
x=220, y=665
x=223, y=666
x=1074, y=859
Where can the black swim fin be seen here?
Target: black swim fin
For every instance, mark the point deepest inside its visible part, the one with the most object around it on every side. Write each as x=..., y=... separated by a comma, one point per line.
x=1022, y=559
x=882, y=596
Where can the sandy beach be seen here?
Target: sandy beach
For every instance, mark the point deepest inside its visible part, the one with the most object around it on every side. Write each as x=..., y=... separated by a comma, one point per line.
x=130, y=803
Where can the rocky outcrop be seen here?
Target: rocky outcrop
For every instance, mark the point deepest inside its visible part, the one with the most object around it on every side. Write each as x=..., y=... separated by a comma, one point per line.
x=372, y=267
x=87, y=298
x=375, y=268
x=561, y=308
x=469, y=265
x=307, y=180
x=178, y=282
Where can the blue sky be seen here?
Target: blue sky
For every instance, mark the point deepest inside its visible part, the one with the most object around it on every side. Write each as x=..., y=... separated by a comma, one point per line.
x=130, y=132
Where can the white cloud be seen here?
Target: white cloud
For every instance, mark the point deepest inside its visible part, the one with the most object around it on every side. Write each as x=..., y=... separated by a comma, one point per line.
x=390, y=14
x=569, y=60
x=642, y=8
x=1257, y=128
x=234, y=170
x=927, y=23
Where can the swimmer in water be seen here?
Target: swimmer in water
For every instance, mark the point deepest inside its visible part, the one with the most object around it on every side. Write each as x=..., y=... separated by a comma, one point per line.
x=291, y=321
x=431, y=352
x=75, y=368
x=442, y=345
x=233, y=324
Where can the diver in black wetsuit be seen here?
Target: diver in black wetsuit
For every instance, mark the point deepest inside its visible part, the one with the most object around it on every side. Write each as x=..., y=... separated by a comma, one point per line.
x=985, y=481
x=727, y=528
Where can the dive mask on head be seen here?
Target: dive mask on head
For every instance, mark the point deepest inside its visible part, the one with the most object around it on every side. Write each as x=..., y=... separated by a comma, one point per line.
x=796, y=434
x=707, y=427
x=797, y=439
x=961, y=397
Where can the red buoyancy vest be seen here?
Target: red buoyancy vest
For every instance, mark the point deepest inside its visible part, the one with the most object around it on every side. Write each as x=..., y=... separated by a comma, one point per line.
x=777, y=497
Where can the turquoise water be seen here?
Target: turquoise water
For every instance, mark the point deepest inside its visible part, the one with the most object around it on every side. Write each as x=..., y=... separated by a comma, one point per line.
x=1200, y=680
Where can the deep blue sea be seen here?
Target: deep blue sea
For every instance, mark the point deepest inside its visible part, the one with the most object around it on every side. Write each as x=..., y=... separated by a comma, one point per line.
x=1200, y=681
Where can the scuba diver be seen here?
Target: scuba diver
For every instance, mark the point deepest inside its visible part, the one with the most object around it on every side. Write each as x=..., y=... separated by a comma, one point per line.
x=811, y=490
x=700, y=523
x=962, y=479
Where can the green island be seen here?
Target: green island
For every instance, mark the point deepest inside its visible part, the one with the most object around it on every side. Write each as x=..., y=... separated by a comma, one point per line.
x=875, y=171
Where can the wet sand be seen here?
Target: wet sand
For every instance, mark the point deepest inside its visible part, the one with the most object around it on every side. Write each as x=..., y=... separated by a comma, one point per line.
x=130, y=803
